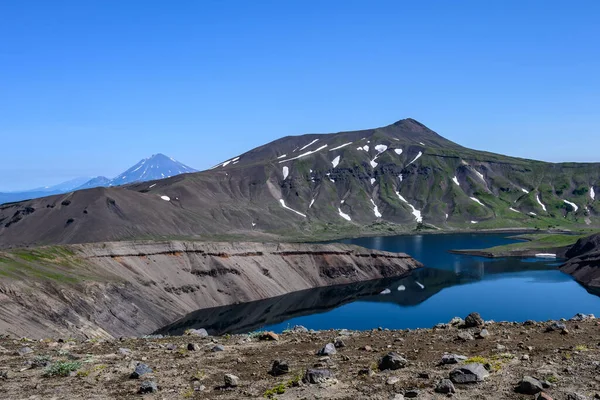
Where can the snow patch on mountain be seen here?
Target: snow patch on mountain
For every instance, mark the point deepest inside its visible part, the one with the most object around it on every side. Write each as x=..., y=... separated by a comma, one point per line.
x=344, y=215
x=415, y=212
x=282, y=202
x=572, y=205
x=339, y=147
x=537, y=197
x=416, y=158
x=335, y=161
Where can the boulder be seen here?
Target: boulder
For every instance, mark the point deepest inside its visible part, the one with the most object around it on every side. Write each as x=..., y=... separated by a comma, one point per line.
x=231, y=381
x=218, y=348
x=529, y=385
x=299, y=329
x=392, y=361
x=315, y=376
x=148, y=387
x=452, y=359
x=328, y=350
x=140, y=370
x=279, y=368
x=473, y=320
x=197, y=332
x=445, y=386
x=470, y=373
x=556, y=326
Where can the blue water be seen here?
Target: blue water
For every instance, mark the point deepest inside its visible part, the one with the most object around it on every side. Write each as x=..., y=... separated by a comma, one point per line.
x=507, y=289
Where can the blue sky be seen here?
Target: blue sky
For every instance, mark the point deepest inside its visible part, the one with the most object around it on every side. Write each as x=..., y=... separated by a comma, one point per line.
x=90, y=87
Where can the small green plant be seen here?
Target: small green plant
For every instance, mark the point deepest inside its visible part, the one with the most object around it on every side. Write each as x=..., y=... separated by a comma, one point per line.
x=552, y=379
x=199, y=375
x=187, y=394
x=279, y=389
x=82, y=374
x=62, y=368
x=477, y=359
x=295, y=381
x=581, y=347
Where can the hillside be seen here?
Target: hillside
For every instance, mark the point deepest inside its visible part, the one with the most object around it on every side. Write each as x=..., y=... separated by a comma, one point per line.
x=396, y=178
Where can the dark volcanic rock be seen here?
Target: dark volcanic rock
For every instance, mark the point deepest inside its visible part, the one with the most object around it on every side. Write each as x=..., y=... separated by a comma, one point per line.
x=279, y=368
x=529, y=385
x=315, y=376
x=445, y=386
x=140, y=370
x=470, y=373
x=473, y=320
x=392, y=361
x=148, y=387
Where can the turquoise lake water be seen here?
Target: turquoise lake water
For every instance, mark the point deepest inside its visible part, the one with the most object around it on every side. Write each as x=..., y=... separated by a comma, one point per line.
x=505, y=289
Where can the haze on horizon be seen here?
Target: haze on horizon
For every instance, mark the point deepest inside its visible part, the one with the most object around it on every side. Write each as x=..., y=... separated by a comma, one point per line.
x=90, y=88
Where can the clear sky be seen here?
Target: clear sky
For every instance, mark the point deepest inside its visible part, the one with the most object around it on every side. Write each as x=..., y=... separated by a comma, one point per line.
x=90, y=87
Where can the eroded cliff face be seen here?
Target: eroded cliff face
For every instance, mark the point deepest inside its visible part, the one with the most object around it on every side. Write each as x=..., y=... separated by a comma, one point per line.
x=584, y=262
x=134, y=288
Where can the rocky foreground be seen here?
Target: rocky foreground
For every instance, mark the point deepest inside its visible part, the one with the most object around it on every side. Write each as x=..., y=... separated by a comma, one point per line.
x=467, y=359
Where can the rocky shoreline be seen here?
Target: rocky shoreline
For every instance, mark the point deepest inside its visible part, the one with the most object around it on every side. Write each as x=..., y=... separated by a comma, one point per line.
x=467, y=359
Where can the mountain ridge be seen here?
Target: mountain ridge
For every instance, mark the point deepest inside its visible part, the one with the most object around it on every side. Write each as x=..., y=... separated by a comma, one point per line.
x=399, y=178
x=161, y=165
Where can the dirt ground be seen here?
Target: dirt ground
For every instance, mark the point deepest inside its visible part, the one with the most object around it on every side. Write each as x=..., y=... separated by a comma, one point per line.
x=568, y=361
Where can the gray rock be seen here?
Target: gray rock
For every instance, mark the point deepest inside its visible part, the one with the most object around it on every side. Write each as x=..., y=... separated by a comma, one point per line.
x=456, y=321
x=556, y=326
x=140, y=370
x=484, y=333
x=469, y=373
x=411, y=393
x=279, y=368
x=328, y=350
x=124, y=351
x=397, y=397
x=197, y=332
x=148, y=387
x=465, y=336
x=218, y=348
x=582, y=317
x=392, y=361
x=392, y=380
x=24, y=350
x=231, y=381
x=171, y=346
x=452, y=359
x=473, y=320
x=339, y=343
x=529, y=385
x=315, y=376
x=299, y=329
x=445, y=386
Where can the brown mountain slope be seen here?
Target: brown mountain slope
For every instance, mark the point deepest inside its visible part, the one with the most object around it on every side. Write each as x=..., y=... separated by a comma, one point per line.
x=390, y=179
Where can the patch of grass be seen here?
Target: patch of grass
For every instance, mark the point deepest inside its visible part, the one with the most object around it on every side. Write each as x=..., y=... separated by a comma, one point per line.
x=581, y=347
x=61, y=368
x=552, y=379
x=279, y=389
x=476, y=359
x=187, y=394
